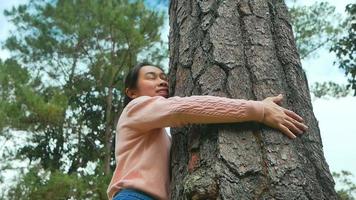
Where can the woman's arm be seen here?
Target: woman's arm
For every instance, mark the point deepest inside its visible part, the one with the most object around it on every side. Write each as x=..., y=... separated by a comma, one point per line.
x=147, y=113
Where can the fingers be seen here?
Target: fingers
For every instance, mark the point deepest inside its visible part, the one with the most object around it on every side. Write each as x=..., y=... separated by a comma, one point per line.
x=286, y=131
x=298, y=124
x=293, y=115
x=292, y=127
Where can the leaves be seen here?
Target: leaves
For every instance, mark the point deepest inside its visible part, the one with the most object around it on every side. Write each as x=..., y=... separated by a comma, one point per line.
x=345, y=48
x=314, y=27
x=64, y=83
x=42, y=185
x=348, y=189
x=318, y=26
x=329, y=89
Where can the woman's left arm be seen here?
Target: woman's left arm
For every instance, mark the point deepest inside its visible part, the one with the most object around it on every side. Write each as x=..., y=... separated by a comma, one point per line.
x=146, y=113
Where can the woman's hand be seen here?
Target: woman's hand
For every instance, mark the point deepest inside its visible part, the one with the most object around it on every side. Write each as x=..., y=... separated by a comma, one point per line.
x=283, y=119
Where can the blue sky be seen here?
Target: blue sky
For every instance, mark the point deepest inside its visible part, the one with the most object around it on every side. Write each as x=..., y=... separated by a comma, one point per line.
x=335, y=116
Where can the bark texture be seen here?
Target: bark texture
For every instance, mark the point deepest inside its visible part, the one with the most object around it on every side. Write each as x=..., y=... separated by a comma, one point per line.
x=242, y=49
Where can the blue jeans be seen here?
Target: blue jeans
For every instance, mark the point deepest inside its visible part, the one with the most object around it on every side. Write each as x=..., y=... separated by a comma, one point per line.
x=131, y=194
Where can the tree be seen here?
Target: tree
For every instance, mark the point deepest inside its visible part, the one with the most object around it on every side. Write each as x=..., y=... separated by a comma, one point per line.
x=345, y=48
x=348, y=190
x=38, y=183
x=242, y=49
x=315, y=26
x=329, y=89
x=66, y=74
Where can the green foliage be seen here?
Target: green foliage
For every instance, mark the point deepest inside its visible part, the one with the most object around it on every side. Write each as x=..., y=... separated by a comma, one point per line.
x=63, y=87
x=43, y=185
x=345, y=48
x=319, y=26
x=12, y=76
x=329, y=89
x=22, y=105
x=58, y=38
x=348, y=190
x=314, y=27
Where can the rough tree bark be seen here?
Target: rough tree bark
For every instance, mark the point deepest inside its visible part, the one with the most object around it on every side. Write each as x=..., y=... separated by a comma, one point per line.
x=242, y=49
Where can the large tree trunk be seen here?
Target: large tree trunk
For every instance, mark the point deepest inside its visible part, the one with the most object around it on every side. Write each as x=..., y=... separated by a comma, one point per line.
x=242, y=49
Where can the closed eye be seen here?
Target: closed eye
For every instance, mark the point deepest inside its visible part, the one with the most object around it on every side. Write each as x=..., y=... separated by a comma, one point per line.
x=164, y=77
x=150, y=75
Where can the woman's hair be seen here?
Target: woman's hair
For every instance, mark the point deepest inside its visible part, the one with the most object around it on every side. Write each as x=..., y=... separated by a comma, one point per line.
x=132, y=78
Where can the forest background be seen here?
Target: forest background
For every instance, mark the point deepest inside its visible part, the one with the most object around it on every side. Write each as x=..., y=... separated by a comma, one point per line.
x=54, y=85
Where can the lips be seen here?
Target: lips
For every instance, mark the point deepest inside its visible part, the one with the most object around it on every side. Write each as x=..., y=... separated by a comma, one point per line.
x=164, y=90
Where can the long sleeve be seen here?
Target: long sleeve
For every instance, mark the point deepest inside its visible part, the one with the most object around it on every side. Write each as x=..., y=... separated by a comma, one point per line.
x=141, y=140
x=147, y=113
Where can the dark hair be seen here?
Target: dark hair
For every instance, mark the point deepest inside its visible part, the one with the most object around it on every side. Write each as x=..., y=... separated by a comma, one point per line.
x=132, y=77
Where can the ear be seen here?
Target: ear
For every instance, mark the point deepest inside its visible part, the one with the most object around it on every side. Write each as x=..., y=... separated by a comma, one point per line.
x=131, y=93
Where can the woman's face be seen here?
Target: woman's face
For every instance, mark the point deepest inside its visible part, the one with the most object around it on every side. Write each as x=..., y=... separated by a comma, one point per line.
x=151, y=81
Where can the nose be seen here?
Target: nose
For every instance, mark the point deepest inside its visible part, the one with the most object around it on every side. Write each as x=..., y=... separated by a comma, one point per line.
x=163, y=83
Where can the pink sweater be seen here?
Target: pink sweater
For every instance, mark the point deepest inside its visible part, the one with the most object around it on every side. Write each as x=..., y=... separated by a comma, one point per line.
x=143, y=146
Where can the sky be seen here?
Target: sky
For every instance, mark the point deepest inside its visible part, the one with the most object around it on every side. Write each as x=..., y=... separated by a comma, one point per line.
x=335, y=116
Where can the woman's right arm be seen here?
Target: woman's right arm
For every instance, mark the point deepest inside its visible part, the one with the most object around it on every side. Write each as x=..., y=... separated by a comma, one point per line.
x=147, y=113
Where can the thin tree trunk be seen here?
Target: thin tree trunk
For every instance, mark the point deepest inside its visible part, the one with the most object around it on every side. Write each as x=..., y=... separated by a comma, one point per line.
x=242, y=49
x=108, y=132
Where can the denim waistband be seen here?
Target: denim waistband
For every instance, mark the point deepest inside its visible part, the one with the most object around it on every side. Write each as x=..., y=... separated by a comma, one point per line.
x=133, y=194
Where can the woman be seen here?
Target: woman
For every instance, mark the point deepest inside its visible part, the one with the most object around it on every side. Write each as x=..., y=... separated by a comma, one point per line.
x=142, y=145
